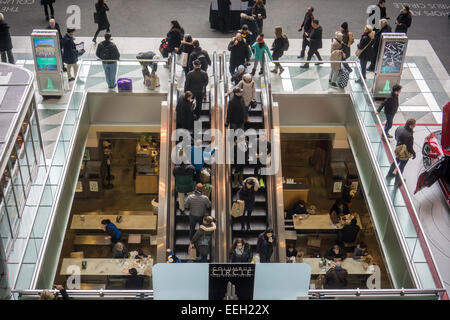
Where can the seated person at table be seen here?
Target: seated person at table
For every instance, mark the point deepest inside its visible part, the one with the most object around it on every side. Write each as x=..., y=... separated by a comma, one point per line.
x=141, y=254
x=119, y=251
x=361, y=252
x=290, y=252
x=349, y=233
x=338, y=209
x=336, y=277
x=135, y=281
x=335, y=254
x=113, y=232
x=298, y=208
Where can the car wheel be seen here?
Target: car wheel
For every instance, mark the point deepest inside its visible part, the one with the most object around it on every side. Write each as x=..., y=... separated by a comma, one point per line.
x=426, y=150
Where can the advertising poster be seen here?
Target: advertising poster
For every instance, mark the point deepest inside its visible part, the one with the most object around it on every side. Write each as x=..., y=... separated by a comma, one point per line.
x=231, y=281
x=45, y=49
x=394, y=51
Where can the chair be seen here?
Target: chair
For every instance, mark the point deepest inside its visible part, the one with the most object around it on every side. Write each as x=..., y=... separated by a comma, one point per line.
x=134, y=238
x=77, y=255
x=313, y=244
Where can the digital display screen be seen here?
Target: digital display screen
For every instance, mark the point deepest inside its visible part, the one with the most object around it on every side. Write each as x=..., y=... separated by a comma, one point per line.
x=393, y=56
x=45, y=49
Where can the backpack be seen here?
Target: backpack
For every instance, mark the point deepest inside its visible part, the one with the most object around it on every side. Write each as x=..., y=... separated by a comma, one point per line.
x=351, y=38
x=286, y=44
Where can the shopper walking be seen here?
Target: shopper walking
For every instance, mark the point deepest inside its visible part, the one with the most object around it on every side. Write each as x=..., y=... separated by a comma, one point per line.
x=337, y=54
x=382, y=5
x=236, y=113
x=279, y=45
x=185, y=111
x=248, y=20
x=240, y=252
x=196, y=82
x=239, y=52
x=198, y=205
x=264, y=150
x=199, y=155
x=5, y=41
x=108, y=52
x=364, y=49
x=48, y=4
x=259, y=13
x=306, y=27
x=241, y=156
x=237, y=76
x=173, y=38
x=184, y=52
x=265, y=244
x=247, y=194
x=224, y=15
x=384, y=28
x=404, y=20
x=184, y=182
x=315, y=42
x=203, y=238
x=248, y=87
x=404, y=149
x=199, y=54
x=100, y=18
x=70, y=54
x=390, y=106
x=247, y=35
x=347, y=40
x=259, y=47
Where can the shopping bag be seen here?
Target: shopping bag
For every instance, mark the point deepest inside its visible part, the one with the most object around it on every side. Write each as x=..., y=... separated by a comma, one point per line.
x=237, y=209
x=192, y=252
x=184, y=59
x=205, y=175
x=154, y=81
x=343, y=77
x=207, y=190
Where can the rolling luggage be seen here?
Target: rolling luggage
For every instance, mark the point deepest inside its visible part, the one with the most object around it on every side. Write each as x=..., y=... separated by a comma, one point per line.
x=125, y=85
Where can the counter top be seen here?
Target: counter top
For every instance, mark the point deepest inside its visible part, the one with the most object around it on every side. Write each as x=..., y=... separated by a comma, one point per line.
x=129, y=221
x=319, y=222
x=107, y=267
x=352, y=266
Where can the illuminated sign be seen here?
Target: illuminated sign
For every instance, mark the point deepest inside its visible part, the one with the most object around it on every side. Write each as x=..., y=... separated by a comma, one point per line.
x=45, y=51
x=393, y=53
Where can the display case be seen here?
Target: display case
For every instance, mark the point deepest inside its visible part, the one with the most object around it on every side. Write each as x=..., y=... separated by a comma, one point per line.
x=147, y=165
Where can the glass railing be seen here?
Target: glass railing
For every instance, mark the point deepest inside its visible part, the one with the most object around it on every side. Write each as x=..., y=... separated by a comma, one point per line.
x=315, y=80
x=89, y=78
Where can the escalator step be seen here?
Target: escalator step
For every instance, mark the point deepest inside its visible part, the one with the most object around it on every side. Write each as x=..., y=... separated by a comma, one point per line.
x=182, y=241
x=259, y=197
x=255, y=226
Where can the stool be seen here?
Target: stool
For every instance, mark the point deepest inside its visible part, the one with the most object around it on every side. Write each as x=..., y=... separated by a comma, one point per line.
x=134, y=238
x=77, y=255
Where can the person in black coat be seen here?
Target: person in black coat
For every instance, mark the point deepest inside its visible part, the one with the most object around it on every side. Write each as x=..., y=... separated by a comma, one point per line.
x=384, y=28
x=336, y=253
x=173, y=37
x=278, y=46
x=102, y=18
x=239, y=52
x=186, y=46
x=224, y=15
x=240, y=252
x=336, y=277
x=196, y=82
x=349, y=233
x=390, y=106
x=236, y=113
x=315, y=43
x=108, y=52
x=199, y=54
x=264, y=246
x=135, y=281
x=247, y=194
x=248, y=20
x=70, y=54
x=307, y=28
x=404, y=20
x=382, y=5
x=5, y=41
x=185, y=112
x=47, y=4
x=364, y=45
x=53, y=25
x=259, y=13
x=298, y=208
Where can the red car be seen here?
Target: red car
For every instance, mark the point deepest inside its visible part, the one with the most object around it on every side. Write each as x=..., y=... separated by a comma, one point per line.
x=436, y=158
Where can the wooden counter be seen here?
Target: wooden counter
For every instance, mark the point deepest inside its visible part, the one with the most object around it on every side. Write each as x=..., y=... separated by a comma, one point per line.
x=353, y=267
x=129, y=221
x=107, y=267
x=319, y=222
x=147, y=184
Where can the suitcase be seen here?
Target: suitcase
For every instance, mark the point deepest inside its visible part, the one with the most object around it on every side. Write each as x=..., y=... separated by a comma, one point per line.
x=125, y=85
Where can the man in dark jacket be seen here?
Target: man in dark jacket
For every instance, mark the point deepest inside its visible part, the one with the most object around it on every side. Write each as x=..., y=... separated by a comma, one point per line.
x=236, y=112
x=185, y=112
x=390, y=106
x=307, y=28
x=404, y=20
x=5, y=41
x=349, y=232
x=264, y=246
x=384, y=28
x=184, y=182
x=199, y=54
x=203, y=238
x=46, y=4
x=196, y=82
x=70, y=54
x=336, y=277
x=224, y=14
x=315, y=43
x=250, y=21
x=135, y=281
x=107, y=50
x=198, y=205
x=336, y=253
x=382, y=5
x=404, y=135
x=102, y=19
x=239, y=52
x=53, y=25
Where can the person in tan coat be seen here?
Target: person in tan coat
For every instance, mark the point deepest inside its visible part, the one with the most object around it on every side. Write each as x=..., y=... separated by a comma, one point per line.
x=337, y=54
x=247, y=84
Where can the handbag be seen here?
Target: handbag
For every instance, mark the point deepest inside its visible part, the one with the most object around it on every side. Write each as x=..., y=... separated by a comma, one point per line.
x=402, y=153
x=343, y=77
x=95, y=17
x=183, y=61
x=359, y=51
x=237, y=209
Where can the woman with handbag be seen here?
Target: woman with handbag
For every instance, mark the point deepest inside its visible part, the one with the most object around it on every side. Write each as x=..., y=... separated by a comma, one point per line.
x=337, y=54
x=279, y=45
x=247, y=194
x=184, y=52
x=248, y=87
x=100, y=18
x=363, y=52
